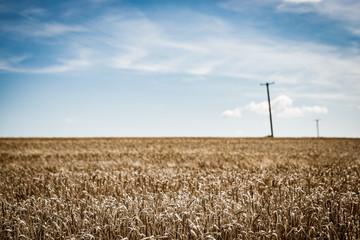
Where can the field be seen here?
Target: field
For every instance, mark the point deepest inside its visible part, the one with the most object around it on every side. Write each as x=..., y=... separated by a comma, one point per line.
x=180, y=188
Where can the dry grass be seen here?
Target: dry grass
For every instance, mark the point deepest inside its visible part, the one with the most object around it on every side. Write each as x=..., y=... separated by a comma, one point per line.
x=180, y=188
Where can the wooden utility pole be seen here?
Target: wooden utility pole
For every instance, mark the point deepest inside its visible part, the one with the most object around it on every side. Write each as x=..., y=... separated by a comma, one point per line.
x=268, y=95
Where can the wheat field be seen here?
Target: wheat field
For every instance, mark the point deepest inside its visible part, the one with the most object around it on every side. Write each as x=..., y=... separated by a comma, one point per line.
x=180, y=188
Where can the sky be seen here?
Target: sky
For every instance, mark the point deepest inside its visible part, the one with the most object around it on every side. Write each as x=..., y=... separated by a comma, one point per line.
x=179, y=68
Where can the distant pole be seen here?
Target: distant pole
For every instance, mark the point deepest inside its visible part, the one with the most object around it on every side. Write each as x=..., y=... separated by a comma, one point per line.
x=317, y=127
x=268, y=95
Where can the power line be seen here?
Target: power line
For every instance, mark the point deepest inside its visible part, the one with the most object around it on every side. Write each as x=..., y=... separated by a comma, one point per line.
x=268, y=96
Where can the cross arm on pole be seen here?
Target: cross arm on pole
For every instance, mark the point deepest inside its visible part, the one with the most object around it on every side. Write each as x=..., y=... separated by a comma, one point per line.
x=267, y=83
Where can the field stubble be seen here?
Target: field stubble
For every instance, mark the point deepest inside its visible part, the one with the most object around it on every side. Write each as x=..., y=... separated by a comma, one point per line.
x=180, y=188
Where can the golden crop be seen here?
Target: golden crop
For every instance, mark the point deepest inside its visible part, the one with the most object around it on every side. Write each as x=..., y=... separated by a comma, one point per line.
x=180, y=188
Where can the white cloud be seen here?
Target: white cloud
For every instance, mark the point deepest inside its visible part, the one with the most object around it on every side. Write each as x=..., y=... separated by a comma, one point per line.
x=235, y=113
x=315, y=109
x=200, y=71
x=283, y=107
x=281, y=102
x=69, y=120
x=259, y=108
x=239, y=133
x=346, y=10
x=291, y=112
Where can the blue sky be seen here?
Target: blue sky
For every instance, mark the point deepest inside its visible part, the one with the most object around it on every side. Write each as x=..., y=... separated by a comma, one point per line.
x=91, y=68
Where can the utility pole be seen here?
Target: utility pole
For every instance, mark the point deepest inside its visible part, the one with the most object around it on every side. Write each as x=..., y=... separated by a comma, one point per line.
x=268, y=95
x=317, y=127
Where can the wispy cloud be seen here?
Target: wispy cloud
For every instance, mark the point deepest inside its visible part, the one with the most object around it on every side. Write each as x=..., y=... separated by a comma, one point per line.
x=205, y=54
x=246, y=5
x=35, y=29
x=35, y=11
x=53, y=29
x=302, y=1
x=202, y=45
x=64, y=65
x=19, y=59
x=346, y=11
x=285, y=61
